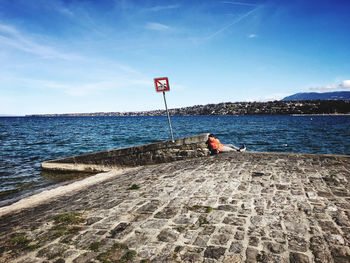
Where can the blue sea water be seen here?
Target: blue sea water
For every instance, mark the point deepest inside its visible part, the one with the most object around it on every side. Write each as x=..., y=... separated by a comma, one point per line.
x=25, y=142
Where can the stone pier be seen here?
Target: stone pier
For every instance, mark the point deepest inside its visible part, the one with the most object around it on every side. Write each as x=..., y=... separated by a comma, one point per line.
x=232, y=207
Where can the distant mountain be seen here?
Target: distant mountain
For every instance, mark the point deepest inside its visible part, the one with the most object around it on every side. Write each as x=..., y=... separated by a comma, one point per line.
x=336, y=95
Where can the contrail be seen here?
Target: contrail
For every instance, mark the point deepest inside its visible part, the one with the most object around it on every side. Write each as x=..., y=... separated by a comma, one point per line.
x=232, y=23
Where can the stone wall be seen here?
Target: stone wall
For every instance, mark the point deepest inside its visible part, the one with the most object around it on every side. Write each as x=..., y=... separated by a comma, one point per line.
x=159, y=152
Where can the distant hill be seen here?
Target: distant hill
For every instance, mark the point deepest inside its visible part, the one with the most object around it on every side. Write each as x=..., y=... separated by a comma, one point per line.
x=337, y=95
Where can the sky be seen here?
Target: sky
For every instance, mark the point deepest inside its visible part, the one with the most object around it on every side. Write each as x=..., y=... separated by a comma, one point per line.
x=79, y=56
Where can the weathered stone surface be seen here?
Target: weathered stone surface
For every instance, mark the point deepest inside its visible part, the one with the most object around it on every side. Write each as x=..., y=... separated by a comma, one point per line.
x=298, y=258
x=252, y=255
x=254, y=241
x=236, y=221
x=86, y=257
x=209, y=209
x=275, y=247
x=120, y=230
x=236, y=247
x=52, y=251
x=341, y=254
x=166, y=213
x=214, y=252
x=297, y=243
x=159, y=152
x=168, y=235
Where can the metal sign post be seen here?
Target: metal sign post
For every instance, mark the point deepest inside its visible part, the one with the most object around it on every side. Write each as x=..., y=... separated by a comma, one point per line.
x=167, y=112
x=162, y=85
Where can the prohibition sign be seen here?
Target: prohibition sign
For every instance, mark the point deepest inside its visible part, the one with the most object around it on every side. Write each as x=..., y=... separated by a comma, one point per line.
x=162, y=84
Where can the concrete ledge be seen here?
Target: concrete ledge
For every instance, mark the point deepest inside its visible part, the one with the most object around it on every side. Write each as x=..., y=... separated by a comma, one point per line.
x=159, y=152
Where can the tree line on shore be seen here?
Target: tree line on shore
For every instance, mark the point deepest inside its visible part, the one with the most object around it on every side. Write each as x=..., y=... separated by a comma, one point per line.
x=239, y=108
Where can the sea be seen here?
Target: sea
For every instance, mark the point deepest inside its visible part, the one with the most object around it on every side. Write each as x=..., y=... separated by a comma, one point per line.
x=25, y=142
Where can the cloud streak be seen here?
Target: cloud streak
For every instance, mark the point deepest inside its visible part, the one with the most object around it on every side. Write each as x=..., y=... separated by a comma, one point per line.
x=86, y=88
x=11, y=37
x=156, y=26
x=161, y=8
x=238, y=3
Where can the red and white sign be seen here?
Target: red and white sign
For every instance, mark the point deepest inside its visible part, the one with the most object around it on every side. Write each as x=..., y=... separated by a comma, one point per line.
x=162, y=84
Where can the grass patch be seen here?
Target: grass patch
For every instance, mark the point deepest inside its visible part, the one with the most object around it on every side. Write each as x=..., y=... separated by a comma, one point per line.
x=129, y=255
x=202, y=221
x=66, y=224
x=120, y=246
x=208, y=209
x=119, y=253
x=103, y=257
x=69, y=218
x=200, y=208
x=180, y=229
x=95, y=246
x=133, y=187
x=21, y=242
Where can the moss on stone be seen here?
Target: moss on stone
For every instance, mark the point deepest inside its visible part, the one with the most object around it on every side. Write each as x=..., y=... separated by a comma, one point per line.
x=95, y=246
x=200, y=208
x=120, y=245
x=119, y=253
x=134, y=187
x=202, y=221
x=180, y=229
x=69, y=218
x=129, y=255
x=208, y=209
x=22, y=242
x=103, y=257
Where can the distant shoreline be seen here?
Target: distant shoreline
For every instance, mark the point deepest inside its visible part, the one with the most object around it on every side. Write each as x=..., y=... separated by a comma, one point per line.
x=83, y=115
x=308, y=107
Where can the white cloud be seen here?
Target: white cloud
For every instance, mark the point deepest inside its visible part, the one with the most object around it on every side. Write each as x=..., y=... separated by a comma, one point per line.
x=87, y=88
x=11, y=37
x=156, y=26
x=344, y=85
x=266, y=98
x=252, y=36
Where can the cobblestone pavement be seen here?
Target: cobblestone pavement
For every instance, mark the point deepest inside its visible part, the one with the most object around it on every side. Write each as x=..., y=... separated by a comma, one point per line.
x=234, y=207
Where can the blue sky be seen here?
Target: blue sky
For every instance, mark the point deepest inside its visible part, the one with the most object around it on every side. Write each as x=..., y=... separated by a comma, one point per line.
x=69, y=56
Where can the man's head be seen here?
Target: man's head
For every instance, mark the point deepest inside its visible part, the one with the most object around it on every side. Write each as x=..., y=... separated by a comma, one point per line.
x=211, y=135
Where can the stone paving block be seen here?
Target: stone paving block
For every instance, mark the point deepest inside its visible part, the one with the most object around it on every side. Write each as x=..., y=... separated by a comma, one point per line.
x=167, y=213
x=297, y=243
x=120, y=230
x=201, y=241
x=298, y=258
x=168, y=235
x=149, y=208
x=236, y=247
x=214, y=252
x=252, y=255
x=52, y=251
x=233, y=220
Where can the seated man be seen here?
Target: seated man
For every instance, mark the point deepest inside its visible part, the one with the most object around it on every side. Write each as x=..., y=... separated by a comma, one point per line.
x=215, y=146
